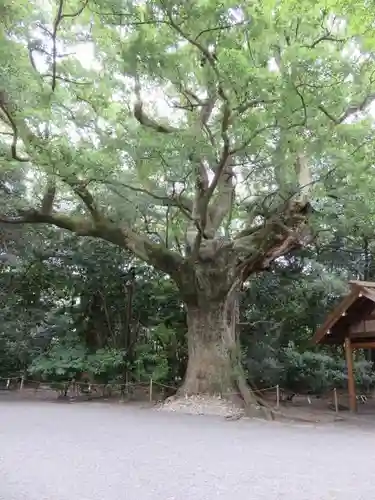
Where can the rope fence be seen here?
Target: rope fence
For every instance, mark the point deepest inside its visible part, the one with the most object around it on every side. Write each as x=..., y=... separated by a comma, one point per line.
x=152, y=387
x=64, y=385
x=123, y=387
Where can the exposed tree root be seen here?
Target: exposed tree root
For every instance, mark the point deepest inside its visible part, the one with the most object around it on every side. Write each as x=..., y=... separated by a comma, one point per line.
x=254, y=404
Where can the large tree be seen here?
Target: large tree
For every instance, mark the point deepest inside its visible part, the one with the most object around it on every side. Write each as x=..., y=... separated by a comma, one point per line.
x=194, y=134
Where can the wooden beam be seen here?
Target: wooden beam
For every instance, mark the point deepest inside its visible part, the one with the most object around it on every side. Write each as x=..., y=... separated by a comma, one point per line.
x=361, y=335
x=370, y=316
x=335, y=315
x=351, y=382
x=367, y=284
x=367, y=325
x=363, y=345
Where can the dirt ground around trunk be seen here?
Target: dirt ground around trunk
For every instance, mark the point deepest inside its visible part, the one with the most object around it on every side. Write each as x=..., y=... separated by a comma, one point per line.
x=303, y=409
x=322, y=409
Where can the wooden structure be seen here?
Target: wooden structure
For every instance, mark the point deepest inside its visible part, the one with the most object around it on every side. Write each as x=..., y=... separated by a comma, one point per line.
x=351, y=324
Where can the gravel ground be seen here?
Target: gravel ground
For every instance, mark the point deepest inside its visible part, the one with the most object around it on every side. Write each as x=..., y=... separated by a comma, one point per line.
x=93, y=451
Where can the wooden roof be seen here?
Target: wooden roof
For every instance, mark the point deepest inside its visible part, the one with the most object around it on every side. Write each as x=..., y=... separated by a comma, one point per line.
x=353, y=317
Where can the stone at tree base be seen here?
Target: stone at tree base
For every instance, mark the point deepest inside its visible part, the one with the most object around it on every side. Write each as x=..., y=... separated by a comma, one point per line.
x=214, y=406
x=201, y=405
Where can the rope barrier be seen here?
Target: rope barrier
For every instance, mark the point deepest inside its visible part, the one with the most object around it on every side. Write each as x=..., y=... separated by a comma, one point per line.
x=113, y=384
x=165, y=385
x=66, y=385
x=73, y=382
x=267, y=388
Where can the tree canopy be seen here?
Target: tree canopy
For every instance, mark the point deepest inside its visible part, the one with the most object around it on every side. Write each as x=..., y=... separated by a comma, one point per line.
x=162, y=118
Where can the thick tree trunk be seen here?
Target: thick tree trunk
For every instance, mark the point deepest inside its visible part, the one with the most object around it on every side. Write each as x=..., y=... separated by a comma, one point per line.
x=212, y=347
x=210, y=291
x=214, y=362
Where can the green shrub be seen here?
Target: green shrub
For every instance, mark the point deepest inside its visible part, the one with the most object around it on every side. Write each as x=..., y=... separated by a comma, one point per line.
x=307, y=371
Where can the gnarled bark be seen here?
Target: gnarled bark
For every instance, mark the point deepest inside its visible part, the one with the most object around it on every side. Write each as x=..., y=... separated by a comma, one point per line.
x=210, y=343
x=210, y=291
x=214, y=361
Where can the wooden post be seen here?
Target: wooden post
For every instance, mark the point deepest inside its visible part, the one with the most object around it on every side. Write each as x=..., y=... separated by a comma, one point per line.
x=22, y=382
x=277, y=396
x=150, y=390
x=127, y=383
x=335, y=400
x=351, y=383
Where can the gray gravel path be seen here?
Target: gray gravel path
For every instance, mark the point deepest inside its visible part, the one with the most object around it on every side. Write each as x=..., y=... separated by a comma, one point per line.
x=107, y=452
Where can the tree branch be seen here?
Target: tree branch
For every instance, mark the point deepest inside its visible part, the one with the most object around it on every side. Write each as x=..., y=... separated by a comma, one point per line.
x=80, y=189
x=247, y=142
x=78, y=12
x=79, y=226
x=200, y=218
x=351, y=110
x=304, y=179
x=141, y=116
x=290, y=243
x=207, y=108
x=272, y=240
x=57, y=21
x=281, y=230
x=64, y=79
x=242, y=108
x=155, y=254
x=207, y=55
x=60, y=16
x=176, y=200
x=206, y=111
x=327, y=36
x=12, y=124
x=48, y=198
x=225, y=154
x=209, y=218
x=221, y=28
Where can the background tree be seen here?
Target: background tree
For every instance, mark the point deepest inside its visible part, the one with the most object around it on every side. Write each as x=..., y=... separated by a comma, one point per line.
x=251, y=120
